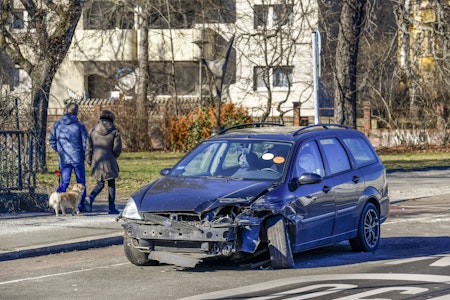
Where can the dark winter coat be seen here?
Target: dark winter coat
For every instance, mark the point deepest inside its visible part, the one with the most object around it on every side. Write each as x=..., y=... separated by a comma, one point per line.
x=68, y=137
x=103, y=147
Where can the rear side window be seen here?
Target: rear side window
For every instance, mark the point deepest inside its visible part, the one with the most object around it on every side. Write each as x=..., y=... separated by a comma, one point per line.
x=335, y=155
x=360, y=150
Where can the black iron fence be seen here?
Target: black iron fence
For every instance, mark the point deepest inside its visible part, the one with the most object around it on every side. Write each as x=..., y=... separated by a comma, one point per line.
x=18, y=164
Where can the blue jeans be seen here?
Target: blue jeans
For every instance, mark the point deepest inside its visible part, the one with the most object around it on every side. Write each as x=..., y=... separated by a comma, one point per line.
x=111, y=192
x=66, y=173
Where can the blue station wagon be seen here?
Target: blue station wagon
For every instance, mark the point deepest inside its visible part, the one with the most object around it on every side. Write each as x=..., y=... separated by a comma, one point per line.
x=261, y=187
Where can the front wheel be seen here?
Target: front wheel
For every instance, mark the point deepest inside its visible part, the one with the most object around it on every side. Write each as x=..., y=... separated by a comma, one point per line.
x=135, y=256
x=368, y=236
x=279, y=244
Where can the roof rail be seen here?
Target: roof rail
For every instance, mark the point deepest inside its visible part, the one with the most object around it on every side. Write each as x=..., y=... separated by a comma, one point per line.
x=320, y=126
x=249, y=125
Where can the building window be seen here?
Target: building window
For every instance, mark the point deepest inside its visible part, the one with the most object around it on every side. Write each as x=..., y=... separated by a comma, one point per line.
x=280, y=77
x=105, y=15
x=180, y=17
x=18, y=19
x=259, y=79
x=21, y=21
x=217, y=11
x=16, y=77
x=186, y=78
x=100, y=87
x=271, y=16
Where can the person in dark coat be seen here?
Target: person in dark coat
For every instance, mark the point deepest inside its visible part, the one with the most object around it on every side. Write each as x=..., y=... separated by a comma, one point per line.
x=68, y=137
x=103, y=147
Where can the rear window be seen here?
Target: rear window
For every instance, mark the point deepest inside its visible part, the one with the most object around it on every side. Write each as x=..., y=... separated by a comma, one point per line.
x=335, y=155
x=360, y=150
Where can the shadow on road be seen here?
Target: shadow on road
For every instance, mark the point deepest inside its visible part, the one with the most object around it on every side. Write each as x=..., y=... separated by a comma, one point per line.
x=389, y=249
x=341, y=254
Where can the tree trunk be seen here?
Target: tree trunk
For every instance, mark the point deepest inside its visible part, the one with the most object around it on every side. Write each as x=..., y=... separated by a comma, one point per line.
x=142, y=138
x=40, y=106
x=345, y=94
x=52, y=53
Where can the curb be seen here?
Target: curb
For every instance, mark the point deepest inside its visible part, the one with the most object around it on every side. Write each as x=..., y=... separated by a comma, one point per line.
x=66, y=247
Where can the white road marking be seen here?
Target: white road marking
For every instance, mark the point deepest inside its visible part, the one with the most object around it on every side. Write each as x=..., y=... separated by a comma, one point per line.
x=44, y=276
x=443, y=262
x=60, y=274
x=259, y=287
x=404, y=290
x=332, y=288
x=407, y=260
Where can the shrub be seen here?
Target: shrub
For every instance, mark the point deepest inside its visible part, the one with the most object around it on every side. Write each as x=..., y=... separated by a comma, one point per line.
x=187, y=131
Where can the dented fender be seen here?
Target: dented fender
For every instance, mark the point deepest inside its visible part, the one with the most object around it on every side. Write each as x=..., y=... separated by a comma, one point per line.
x=250, y=228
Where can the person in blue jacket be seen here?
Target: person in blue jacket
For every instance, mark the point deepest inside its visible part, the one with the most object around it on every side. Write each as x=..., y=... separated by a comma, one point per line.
x=68, y=137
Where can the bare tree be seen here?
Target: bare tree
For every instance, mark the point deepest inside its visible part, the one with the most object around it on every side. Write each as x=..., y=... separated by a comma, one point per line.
x=141, y=140
x=424, y=61
x=39, y=49
x=351, y=22
x=377, y=75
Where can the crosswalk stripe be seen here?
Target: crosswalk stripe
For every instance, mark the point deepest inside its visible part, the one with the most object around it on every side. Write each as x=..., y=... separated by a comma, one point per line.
x=407, y=260
x=443, y=262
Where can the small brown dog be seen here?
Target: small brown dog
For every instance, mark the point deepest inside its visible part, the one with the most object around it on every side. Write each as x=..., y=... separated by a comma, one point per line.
x=72, y=198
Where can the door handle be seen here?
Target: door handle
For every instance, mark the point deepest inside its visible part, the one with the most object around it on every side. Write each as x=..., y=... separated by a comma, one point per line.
x=355, y=179
x=326, y=188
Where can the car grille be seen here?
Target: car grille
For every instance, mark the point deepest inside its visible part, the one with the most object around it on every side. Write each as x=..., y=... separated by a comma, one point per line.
x=180, y=217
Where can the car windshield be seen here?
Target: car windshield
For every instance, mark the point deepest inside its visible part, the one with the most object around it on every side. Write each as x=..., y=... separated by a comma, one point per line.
x=239, y=159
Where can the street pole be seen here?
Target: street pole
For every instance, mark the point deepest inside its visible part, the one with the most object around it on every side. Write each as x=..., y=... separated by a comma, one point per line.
x=316, y=73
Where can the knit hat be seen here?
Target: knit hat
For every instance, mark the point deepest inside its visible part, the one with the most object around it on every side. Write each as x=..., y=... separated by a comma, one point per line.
x=108, y=115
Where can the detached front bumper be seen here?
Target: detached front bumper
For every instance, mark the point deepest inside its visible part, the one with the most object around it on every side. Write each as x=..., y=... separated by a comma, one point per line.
x=225, y=240
x=210, y=240
x=188, y=233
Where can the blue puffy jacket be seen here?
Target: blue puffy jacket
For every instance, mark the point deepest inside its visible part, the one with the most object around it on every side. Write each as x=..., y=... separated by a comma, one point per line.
x=68, y=137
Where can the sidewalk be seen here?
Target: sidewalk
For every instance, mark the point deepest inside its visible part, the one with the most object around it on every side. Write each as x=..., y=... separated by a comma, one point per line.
x=33, y=234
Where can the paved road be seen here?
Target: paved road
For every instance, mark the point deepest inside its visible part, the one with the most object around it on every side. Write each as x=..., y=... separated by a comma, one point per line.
x=412, y=262
x=418, y=184
x=30, y=234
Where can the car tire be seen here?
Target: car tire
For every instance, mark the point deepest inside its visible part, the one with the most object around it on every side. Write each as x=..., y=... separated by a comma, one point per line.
x=368, y=236
x=135, y=256
x=279, y=244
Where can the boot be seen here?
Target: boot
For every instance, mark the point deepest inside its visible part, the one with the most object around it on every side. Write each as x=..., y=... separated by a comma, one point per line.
x=111, y=199
x=82, y=205
x=89, y=202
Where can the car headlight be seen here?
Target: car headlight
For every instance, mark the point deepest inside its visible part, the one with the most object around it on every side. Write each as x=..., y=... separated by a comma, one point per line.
x=130, y=211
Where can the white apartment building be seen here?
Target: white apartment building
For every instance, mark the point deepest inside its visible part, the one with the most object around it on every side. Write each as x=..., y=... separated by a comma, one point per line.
x=270, y=36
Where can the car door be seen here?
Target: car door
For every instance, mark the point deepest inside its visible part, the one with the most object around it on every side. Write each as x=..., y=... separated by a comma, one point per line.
x=368, y=171
x=348, y=185
x=314, y=202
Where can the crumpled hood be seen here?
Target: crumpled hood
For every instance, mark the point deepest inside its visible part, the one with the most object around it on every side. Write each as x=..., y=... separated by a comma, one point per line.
x=195, y=194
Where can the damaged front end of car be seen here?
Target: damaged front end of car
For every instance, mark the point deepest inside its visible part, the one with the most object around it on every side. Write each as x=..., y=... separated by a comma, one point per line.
x=223, y=227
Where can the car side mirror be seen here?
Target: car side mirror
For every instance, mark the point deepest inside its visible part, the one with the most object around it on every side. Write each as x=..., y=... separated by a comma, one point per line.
x=309, y=178
x=165, y=171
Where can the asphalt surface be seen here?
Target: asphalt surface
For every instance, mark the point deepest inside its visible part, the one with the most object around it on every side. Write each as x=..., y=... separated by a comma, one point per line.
x=40, y=233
